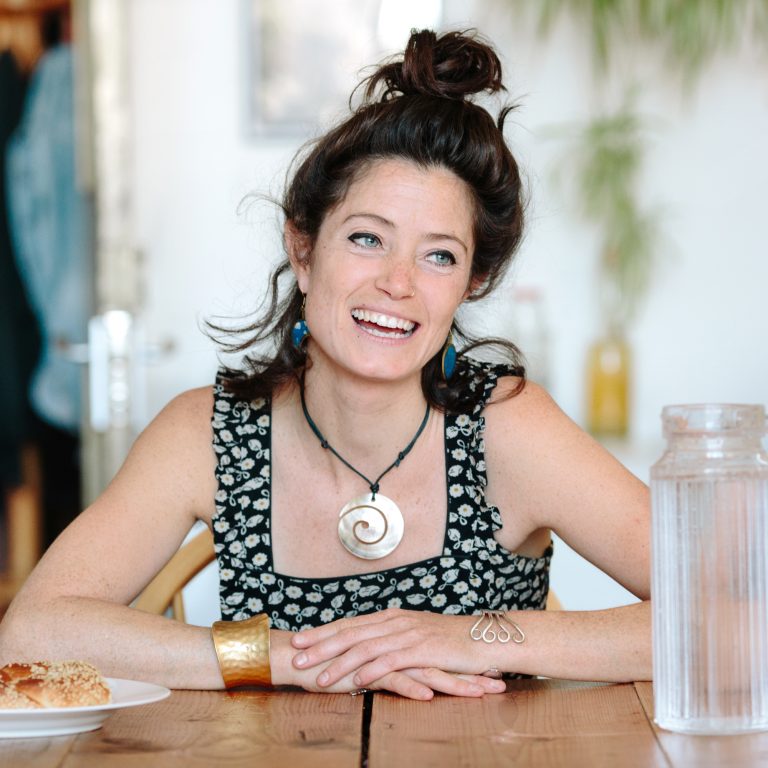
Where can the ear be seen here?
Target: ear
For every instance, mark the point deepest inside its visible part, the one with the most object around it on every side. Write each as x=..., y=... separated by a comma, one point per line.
x=474, y=284
x=298, y=249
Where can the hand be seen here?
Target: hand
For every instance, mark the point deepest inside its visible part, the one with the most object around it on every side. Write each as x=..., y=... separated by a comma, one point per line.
x=379, y=644
x=413, y=683
x=420, y=684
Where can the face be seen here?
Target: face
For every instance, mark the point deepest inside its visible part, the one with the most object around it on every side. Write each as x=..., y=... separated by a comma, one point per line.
x=390, y=266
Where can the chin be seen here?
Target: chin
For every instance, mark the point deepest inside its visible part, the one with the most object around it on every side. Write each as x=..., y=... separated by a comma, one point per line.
x=383, y=373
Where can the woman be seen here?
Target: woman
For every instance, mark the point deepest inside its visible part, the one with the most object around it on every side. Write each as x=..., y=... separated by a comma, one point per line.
x=449, y=474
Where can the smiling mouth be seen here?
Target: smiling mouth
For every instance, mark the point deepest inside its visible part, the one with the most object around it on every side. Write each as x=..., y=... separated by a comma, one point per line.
x=383, y=326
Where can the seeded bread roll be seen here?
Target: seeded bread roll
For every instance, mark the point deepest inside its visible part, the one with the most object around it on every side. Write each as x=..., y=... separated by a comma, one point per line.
x=10, y=698
x=10, y=673
x=52, y=684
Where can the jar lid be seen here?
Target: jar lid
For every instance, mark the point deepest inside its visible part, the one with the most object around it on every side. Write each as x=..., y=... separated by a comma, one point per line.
x=713, y=417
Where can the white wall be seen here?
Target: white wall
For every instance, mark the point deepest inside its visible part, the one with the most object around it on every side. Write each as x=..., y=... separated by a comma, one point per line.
x=699, y=336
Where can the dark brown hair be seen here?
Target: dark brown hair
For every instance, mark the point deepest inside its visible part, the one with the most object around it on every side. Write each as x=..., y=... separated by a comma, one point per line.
x=415, y=108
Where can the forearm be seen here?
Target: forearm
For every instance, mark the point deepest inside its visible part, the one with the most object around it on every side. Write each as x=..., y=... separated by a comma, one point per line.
x=610, y=645
x=123, y=642
x=118, y=640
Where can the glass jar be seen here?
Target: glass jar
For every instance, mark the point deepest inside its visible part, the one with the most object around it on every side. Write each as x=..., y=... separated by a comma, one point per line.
x=709, y=581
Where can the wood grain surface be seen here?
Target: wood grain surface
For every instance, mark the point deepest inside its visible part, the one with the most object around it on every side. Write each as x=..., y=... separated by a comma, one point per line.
x=203, y=728
x=537, y=723
x=542, y=723
x=743, y=751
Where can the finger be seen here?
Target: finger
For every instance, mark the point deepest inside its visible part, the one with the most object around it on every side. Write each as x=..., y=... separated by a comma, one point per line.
x=404, y=685
x=388, y=653
x=309, y=637
x=488, y=684
x=447, y=682
x=372, y=666
x=368, y=673
x=363, y=642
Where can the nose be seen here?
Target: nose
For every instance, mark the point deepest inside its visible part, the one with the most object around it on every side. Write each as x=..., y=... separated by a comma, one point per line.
x=396, y=278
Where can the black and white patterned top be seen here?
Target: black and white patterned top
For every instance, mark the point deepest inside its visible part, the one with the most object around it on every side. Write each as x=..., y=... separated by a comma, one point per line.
x=473, y=573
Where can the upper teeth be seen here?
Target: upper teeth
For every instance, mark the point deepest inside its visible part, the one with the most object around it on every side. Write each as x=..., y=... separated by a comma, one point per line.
x=383, y=320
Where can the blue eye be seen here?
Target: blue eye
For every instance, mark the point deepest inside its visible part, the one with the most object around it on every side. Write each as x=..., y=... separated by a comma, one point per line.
x=442, y=258
x=365, y=239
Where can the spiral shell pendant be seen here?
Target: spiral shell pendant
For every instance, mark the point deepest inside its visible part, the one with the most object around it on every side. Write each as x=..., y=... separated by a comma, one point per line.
x=370, y=527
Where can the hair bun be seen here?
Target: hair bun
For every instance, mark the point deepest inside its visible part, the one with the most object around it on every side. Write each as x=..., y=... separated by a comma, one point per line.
x=454, y=65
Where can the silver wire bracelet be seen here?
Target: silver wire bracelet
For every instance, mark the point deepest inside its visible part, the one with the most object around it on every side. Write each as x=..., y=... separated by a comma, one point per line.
x=483, y=628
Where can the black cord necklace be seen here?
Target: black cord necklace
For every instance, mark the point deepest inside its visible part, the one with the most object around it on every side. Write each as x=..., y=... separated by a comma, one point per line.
x=370, y=526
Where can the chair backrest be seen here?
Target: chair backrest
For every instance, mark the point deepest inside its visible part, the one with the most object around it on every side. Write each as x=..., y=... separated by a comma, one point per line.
x=164, y=591
x=553, y=604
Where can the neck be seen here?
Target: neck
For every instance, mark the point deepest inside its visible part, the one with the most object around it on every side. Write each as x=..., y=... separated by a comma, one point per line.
x=366, y=422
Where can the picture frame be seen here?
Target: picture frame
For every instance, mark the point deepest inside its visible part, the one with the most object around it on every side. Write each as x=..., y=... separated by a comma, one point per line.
x=303, y=58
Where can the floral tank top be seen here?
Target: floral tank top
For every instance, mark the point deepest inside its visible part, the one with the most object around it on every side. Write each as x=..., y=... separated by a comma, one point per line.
x=473, y=572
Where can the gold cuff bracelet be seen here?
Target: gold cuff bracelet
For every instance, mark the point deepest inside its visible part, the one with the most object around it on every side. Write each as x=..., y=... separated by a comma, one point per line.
x=242, y=648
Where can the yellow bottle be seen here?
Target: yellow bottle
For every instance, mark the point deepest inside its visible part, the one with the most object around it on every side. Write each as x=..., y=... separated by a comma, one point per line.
x=608, y=371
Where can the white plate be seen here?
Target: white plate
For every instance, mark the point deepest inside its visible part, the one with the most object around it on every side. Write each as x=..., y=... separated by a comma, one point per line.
x=60, y=721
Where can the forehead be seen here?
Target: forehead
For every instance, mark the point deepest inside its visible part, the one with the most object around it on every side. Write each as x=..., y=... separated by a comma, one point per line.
x=402, y=186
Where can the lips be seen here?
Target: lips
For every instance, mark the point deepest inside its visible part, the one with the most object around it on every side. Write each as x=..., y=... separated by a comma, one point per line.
x=383, y=326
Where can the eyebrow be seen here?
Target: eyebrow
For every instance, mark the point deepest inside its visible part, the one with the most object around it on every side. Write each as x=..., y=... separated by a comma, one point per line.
x=388, y=223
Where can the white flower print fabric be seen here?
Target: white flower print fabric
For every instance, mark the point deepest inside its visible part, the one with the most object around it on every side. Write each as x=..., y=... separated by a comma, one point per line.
x=473, y=573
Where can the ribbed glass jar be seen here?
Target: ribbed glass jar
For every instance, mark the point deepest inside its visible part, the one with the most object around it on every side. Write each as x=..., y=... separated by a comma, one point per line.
x=709, y=584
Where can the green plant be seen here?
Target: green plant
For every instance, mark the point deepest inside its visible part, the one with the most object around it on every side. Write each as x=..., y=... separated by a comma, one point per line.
x=688, y=33
x=605, y=155
x=603, y=161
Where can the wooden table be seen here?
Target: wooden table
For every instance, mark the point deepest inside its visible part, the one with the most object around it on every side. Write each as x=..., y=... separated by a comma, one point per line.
x=536, y=723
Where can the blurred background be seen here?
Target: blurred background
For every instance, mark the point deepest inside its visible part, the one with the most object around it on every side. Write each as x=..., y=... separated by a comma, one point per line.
x=143, y=138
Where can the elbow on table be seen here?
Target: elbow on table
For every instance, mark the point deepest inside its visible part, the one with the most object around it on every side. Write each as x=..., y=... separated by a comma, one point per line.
x=26, y=633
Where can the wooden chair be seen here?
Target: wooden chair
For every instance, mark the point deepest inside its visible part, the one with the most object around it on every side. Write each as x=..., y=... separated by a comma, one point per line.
x=553, y=604
x=23, y=527
x=165, y=590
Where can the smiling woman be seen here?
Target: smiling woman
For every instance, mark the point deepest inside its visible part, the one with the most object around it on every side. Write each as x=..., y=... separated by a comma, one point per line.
x=453, y=174
x=387, y=271
x=368, y=483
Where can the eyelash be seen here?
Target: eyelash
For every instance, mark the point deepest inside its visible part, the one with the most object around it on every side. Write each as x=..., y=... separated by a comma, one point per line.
x=357, y=236
x=367, y=235
x=451, y=259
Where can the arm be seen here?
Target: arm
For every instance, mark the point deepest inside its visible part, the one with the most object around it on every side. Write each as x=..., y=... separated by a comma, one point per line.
x=549, y=475
x=76, y=602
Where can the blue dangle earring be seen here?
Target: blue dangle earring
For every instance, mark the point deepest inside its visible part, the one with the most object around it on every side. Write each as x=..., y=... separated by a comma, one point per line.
x=448, y=361
x=300, y=329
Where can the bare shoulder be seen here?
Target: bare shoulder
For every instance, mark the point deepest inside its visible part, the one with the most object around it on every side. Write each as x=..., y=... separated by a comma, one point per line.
x=176, y=448
x=522, y=403
x=527, y=437
x=189, y=411
x=528, y=430
x=506, y=392
x=544, y=471
x=167, y=482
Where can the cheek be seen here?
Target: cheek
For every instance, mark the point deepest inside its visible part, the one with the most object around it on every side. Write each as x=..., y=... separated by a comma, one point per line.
x=452, y=299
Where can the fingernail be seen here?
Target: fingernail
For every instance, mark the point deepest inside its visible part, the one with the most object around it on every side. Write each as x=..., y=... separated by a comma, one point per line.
x=499, y=685
x=356, y=680
x=300, y=660
x=323, y=678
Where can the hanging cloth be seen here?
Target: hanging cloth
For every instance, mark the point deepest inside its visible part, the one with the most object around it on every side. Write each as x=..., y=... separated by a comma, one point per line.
x=49, y=222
